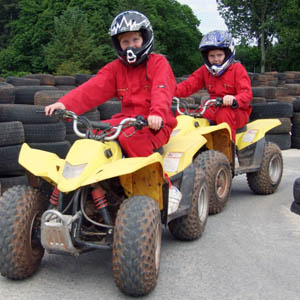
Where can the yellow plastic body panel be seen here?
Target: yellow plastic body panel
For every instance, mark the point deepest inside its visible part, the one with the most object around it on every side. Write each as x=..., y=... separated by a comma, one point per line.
x=189, y=136
x=256, y=130
x=146, y=181
x=41, y=163
x=98, y=167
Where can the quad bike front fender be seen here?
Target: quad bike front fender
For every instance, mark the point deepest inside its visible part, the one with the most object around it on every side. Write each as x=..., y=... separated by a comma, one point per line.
x=40, y=163
x=181, y=149
x=255, y=131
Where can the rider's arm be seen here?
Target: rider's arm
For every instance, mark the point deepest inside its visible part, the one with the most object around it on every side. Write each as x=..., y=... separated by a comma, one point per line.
x=163, y=86
x=194, y=83
x=92, y=93
x=243, y=87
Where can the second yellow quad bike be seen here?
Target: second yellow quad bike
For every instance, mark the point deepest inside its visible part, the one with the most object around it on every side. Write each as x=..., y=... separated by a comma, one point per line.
x=220, y=158
x=100, y=199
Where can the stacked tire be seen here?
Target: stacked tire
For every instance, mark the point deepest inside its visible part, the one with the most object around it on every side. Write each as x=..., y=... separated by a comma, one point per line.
x=65, y=82
x=11, y=139
x=40, y=132
x=279, y=135
x=109, y=108
x=296, y=124
x=295, y=207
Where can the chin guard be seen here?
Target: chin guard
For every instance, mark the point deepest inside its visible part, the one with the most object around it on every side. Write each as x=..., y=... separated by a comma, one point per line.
x=130, y=56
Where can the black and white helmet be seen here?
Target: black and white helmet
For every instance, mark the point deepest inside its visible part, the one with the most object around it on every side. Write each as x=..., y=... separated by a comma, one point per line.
x=218, y=39
x=127, y=21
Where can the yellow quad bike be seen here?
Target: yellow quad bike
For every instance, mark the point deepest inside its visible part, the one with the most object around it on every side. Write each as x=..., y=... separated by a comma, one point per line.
x=101, y=200
x=220, y=158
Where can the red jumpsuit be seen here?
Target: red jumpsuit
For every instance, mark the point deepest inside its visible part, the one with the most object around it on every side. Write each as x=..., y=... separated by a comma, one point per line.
x=234, y=81
x=146, y=89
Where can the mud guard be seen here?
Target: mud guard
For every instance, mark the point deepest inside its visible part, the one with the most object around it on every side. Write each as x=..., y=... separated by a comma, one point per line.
x=186, y=187
x=255, y=131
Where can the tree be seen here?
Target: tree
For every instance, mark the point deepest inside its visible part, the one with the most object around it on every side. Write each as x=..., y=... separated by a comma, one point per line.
x=33, y=33
x=72, y=43
x=8, y=12
x=253, y=18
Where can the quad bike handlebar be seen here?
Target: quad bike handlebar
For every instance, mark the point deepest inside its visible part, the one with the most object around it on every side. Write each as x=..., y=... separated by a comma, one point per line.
x=198, y=110
x=107, y=131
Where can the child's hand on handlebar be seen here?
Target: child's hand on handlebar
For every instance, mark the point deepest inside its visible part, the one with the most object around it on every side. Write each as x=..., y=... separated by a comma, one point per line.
x=154, y=122
x=228, y=100
x=49, y=109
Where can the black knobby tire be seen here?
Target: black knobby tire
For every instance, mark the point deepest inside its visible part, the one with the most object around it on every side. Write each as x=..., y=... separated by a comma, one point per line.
x=137, y=246
x=9, y=181
x=296, y=190
x=267, y=179
x=219, y=178
x=191, y=226
x=295, y=208
x=20, y=249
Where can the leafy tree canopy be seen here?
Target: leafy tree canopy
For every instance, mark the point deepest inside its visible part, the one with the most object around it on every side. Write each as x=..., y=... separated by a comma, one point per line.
x=48, y=34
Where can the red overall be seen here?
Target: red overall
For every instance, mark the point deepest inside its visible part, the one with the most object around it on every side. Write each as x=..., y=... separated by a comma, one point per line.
x=235, y=81
x=146, y=89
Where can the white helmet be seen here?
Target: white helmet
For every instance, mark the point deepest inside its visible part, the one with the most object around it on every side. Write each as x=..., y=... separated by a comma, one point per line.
x=127, y=21
x=218, y=39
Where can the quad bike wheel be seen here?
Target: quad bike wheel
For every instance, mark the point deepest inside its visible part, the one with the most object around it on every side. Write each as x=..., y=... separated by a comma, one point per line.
x=267, y=179
x=137, y=246
x=219, y=178
x=21, y=252
x=191, y=226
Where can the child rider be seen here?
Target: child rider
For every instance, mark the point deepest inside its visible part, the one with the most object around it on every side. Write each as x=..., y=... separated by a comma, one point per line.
x=222, y=76
x=141, y=80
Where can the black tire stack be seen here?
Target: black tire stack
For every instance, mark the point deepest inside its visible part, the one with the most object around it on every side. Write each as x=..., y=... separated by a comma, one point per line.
x=279, y=135
x=65, y=82
x=41, y=132
x=296, y=124
x=295, y=207
x=109, y=108
x=7, y=93
x=11, y=138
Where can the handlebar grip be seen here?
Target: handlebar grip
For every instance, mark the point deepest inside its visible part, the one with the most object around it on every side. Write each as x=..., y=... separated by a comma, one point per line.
x=100, y=125
x=219, y=102
x=59, y=113
x=234, y=104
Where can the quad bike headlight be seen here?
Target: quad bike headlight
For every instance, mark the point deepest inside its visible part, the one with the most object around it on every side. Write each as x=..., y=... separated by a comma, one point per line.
x=71, y=171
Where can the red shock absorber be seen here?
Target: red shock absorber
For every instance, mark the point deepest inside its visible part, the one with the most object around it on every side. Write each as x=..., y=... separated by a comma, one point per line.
x=99, y=198
x=101, y=203
x=54, y=197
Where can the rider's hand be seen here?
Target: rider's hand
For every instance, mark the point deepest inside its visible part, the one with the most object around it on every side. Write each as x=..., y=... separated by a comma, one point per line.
x=228, y=100
x=49, y=109
x=154, y=122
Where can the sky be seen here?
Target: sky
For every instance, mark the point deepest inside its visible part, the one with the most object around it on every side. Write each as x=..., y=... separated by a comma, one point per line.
x=206, y=11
